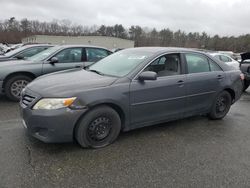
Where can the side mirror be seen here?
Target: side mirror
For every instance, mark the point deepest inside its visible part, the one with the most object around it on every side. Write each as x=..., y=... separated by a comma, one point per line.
x=54, y=60
x=20, y=57
x=147, y=75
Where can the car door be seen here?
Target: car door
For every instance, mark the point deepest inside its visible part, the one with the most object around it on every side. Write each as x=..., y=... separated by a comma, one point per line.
x=204, y=80
x=160, y=99
x=67, y=58
x=95, y=54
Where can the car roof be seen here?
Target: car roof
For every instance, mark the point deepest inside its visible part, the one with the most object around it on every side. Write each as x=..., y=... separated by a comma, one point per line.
x=156, y=50
x=81, y=45
x=31, y=45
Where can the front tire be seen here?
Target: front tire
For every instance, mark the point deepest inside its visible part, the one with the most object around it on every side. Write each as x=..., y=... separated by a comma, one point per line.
x=98, y=128
x=221, y=105
x=15, y=85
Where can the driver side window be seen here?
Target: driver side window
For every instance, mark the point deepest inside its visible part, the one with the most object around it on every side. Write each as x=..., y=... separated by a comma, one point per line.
x=69, y=55
x=166, y=65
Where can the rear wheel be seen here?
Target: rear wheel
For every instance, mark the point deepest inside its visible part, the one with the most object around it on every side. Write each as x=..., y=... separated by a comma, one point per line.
x=15, y=85
x=98, y=128
x=221, y=105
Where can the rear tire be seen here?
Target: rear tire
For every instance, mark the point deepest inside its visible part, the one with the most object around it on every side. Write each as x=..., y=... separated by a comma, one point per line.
x=15, y=85
x=221, y=105
x=98, y=128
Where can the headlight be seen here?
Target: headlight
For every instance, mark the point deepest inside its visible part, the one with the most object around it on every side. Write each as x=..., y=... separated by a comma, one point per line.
x=53, y=103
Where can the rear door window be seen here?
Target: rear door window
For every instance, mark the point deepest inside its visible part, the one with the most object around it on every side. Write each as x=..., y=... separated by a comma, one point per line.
x=214, y=66
x=225, y=58
x=197, y=63
x=96, y=54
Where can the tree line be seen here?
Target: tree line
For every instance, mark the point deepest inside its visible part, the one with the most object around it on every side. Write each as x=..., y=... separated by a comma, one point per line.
x=12, y=31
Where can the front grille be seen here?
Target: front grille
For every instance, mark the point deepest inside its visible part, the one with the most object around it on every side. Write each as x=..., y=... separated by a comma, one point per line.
x=27, y=99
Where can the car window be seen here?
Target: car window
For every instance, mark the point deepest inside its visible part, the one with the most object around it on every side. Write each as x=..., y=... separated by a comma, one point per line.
x=214, y=66
x=69, y=55
x=225, y=58
x=166, y=65
x=96, y=54
x=197, y=63
x=121, y=63
x=32, y=51
x=217, y=57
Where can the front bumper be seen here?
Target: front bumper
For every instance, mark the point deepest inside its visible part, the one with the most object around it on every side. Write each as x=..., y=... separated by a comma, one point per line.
x=51, y=126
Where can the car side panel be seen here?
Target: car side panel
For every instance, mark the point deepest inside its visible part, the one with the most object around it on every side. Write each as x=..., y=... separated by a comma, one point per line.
x=152, y=101
x=202, y=89
x=116, y=95
x=34, y=68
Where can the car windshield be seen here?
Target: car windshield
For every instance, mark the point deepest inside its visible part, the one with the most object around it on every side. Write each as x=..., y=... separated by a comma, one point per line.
x=13, y=52
x=44, y=54
x=120, y=63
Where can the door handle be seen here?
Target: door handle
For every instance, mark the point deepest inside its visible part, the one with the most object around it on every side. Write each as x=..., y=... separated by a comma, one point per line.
x=180, y=83
x=78, y=66
x=219, y=77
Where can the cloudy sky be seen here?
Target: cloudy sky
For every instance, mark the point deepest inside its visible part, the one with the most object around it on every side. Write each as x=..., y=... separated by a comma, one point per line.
x=223, y=17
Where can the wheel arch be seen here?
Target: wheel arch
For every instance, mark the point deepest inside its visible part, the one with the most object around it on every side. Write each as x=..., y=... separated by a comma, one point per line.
x=29, y=74
x=231, y=92
x=112, y=105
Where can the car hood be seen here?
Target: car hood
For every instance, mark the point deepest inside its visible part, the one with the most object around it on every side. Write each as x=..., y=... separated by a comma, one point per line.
x=68, y=83
x=245, y=56
x=13, y=62
x=2, y=57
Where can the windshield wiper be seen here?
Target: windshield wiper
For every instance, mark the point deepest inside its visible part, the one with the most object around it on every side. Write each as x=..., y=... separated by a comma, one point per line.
x=97, y=72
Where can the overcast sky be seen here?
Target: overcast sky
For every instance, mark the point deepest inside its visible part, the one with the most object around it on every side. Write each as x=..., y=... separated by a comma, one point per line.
x=223, y=17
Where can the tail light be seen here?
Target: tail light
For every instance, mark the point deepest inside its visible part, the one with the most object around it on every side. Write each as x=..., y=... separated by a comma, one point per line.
x=242, y=76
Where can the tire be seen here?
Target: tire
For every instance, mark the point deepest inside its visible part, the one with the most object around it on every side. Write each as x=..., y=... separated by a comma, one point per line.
x=221, y=105
x=246, y=85
x=14, y=86
x=98, y=128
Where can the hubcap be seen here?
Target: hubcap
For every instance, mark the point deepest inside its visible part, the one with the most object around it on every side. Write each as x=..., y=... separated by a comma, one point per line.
x=221, y=105
x=17, y=87
x=99, y=129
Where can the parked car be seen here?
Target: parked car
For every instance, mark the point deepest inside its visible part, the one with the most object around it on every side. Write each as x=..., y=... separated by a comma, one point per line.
x=245, y=68
x=24, y=52
x=15, y=75
x=129, y=89
x=237, y=57
x=1, y=50
x=226, y=59
x=4, y=48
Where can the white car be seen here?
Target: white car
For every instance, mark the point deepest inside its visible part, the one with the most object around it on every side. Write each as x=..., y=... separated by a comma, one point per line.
x=226, y=59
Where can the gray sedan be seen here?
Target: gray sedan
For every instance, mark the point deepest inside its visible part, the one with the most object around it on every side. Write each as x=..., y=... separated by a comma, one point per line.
x=130, y=89
x=15, y=75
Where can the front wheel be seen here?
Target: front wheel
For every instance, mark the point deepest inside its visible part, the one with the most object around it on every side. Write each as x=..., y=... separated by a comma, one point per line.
x=221, y=105
x=98, y=128
x=15, y=85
